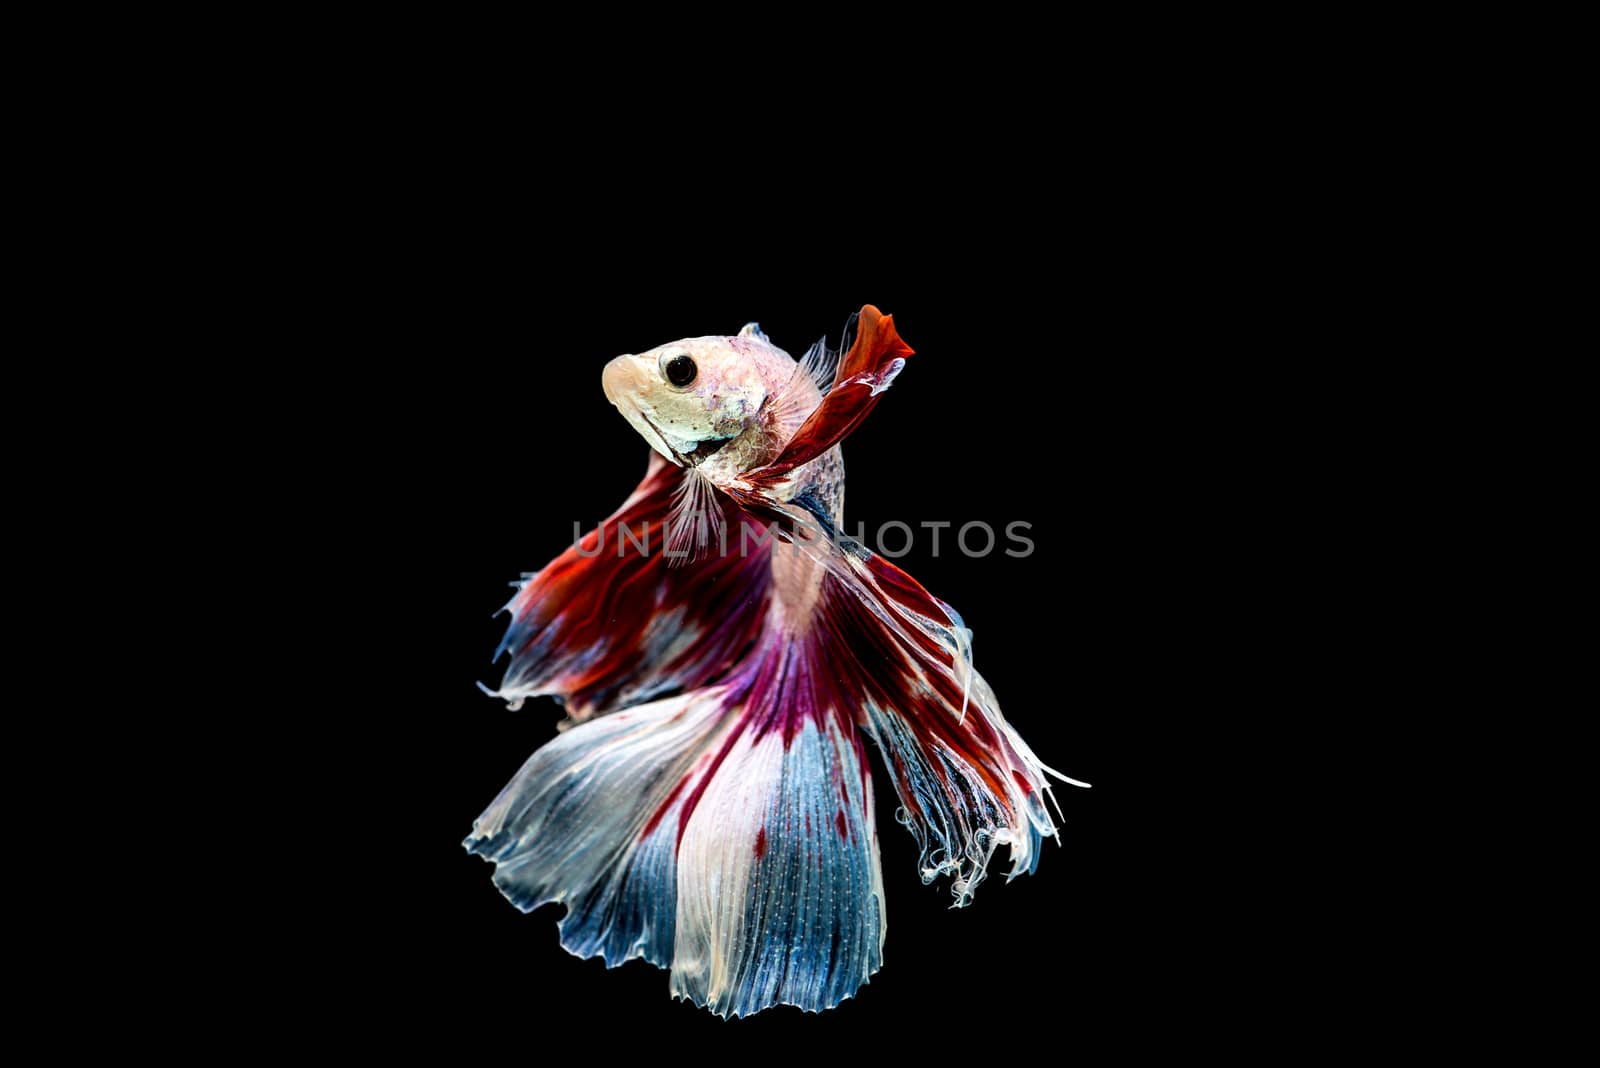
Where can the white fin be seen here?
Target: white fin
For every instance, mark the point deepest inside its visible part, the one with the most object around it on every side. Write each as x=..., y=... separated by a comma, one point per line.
x=780, y=882
x=695, y=521
x=799, y=397
x=591, y=821
x=819, y=364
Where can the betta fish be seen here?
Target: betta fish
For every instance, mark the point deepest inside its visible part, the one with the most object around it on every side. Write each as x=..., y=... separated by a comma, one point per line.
x=724, y=655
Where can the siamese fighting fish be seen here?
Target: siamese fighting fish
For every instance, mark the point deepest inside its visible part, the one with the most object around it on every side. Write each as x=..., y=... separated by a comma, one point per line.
x=725, y=655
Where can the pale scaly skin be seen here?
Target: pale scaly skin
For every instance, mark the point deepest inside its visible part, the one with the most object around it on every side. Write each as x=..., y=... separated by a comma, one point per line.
x=750, y=396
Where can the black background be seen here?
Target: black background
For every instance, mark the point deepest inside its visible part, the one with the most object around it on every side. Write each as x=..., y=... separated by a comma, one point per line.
x=1038, y=393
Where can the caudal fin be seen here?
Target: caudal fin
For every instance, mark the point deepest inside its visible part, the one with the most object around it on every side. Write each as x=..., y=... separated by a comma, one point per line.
x=780, y=884
x=726, y=834
x=588, y=823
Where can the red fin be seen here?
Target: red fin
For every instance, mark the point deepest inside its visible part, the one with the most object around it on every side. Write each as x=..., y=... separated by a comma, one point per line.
x=866, y=371
x=966, y=780
x=608, y=624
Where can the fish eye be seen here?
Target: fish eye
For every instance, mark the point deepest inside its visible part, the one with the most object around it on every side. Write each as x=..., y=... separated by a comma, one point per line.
x=679, y=370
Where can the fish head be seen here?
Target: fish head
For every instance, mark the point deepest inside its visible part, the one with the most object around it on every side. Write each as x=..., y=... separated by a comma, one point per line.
x=690, y=398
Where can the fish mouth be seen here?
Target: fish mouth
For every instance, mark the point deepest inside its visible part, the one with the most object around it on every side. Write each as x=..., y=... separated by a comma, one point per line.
x=648, y=428
x=709, y=447
x=694, y=457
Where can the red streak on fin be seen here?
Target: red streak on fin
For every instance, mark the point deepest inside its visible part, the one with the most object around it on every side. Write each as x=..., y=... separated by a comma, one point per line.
x=838, y=821
x=907, y=591
x=761, y=843
x=705, y=781
x=666, y=805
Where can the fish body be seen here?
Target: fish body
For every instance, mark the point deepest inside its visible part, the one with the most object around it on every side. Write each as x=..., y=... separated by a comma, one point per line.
x=708, y=806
